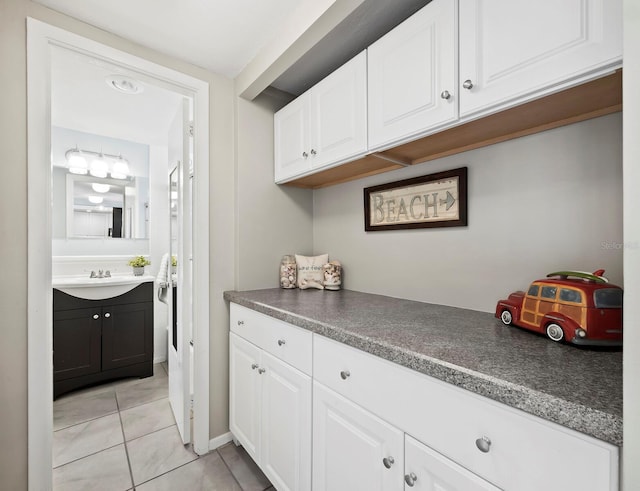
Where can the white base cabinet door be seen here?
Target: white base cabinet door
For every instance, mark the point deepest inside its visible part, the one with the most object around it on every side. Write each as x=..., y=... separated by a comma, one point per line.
x=510, y=49
x=427, y=470
x=244, y=394
x=286, y=425
x=270, y=414
x=353, y=450
x=412, y=75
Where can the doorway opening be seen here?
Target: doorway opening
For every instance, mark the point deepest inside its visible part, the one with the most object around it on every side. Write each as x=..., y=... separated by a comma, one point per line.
x=46, y=46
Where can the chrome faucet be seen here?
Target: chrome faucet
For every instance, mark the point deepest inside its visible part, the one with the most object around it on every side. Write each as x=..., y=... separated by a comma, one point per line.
x=93, y=274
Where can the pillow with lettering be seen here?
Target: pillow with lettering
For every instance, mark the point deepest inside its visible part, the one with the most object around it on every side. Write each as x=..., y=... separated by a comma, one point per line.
x=310, y=271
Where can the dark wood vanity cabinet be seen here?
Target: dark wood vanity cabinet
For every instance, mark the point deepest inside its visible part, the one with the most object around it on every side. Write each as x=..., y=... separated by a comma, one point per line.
x=98, y=340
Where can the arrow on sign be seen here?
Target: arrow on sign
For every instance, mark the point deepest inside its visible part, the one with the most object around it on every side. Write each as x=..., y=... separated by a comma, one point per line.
x=449, y=201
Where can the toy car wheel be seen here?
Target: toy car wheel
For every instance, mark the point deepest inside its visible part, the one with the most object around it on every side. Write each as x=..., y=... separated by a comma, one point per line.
x=555, y=332
x=506, y=317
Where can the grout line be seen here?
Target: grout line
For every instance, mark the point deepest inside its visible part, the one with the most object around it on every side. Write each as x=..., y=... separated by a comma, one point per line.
x=228, y=468
x=88, y=455
x=126, y=449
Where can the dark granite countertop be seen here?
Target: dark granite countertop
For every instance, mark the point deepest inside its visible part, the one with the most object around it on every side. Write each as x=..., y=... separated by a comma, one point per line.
x=574, y=387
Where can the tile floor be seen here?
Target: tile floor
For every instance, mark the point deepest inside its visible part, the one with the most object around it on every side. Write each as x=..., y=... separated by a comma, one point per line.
x=122, y=436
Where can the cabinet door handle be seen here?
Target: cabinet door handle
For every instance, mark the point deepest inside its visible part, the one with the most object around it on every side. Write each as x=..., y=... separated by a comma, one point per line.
x=305, y=155
x=241, y=323
x=281, y=342
x=388, y=462
x=261, y=371
x=107, y=315
x=96, y=316
x=254, y=366
x=313, y=152
x=483, y=444
x=467, y=84
x=345, y=374
x=410, y=479
x=445, y=95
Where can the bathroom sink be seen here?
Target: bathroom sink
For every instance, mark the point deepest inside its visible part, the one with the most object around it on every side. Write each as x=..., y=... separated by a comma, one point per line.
x=98, y=288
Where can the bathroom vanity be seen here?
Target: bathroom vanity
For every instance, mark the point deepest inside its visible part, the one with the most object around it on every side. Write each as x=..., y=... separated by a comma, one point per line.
x=98, y=339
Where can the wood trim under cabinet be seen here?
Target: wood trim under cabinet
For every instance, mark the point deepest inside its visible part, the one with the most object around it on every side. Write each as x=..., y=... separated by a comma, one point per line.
x=590, y=100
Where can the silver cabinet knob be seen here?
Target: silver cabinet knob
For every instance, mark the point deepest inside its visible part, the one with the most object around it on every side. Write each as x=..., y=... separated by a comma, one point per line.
x=445, y=95
x=261, y=371
x=96, y=316
x=388, y=462
x=313, y=152
x=410, y=479
x=281, y=342
x=467, y=84
x=483, y=444
x=305, y=154
x=345, y=374
x=107, y=315
x=254, y=366
x=241, y=323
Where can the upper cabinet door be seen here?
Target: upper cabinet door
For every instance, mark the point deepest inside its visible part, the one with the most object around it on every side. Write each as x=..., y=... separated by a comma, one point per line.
x=412, y=75
x=292, y=139
x=339, y=112
x=512, y=48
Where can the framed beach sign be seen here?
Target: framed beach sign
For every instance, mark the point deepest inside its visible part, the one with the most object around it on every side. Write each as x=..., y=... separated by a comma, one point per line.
x=435, y=200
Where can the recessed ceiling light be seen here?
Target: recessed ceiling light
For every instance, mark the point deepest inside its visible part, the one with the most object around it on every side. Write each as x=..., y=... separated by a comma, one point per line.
x=124, y=84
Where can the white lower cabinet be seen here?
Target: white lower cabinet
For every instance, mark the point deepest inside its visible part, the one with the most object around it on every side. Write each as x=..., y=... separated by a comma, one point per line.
x=353, y=449
x=270, y=414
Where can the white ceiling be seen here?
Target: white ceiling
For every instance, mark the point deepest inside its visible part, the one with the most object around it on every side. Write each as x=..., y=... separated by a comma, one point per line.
x=82, y=100
x=219, y=35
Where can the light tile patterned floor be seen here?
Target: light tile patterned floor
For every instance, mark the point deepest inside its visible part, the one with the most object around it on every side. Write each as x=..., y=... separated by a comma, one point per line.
x=122, y=436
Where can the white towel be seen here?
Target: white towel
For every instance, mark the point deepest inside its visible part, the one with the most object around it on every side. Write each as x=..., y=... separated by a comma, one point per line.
x=162, y=279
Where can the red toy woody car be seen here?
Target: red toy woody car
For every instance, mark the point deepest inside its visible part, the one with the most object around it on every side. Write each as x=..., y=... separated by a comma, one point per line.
x=580, y=308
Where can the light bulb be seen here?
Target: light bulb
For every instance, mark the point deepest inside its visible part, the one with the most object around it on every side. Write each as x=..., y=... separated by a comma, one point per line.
x=96, y=200
x=77, y=163
x=98, y=167
x=120, y=169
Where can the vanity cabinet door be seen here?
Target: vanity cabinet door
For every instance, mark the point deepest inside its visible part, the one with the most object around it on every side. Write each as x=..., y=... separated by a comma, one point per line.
x=76, y=343
x=127, y=335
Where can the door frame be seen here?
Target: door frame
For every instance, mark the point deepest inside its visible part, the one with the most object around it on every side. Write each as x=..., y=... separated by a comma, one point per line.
x=40, y=39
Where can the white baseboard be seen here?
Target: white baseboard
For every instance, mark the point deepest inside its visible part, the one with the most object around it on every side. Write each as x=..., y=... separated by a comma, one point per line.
x=220, y=440
x=159, y=359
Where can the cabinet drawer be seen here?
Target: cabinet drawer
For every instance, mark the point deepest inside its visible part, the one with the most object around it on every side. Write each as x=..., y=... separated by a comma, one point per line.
x=453, y=422
x=284, y=341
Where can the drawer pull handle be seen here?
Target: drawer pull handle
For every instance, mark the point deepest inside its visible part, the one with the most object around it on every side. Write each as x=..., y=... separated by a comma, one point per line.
x=281, y=342
x=345, y=374
x=107, y=315
x=261, y=371
x=96, y=316
x=483, y=444
x=388, y=462
x=410, y=479
x=241, y=323
x=254, y=366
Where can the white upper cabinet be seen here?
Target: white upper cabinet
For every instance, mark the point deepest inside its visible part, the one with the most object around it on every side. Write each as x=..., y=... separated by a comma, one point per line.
x=325, y=125
x=512, y=49
x=412, y=75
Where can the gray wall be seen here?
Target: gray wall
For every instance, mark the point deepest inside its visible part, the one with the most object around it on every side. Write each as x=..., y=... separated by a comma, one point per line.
x=536, y=204
x=271, y=220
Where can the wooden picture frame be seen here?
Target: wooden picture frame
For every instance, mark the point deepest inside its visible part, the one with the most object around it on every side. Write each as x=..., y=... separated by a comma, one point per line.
x=434, y=200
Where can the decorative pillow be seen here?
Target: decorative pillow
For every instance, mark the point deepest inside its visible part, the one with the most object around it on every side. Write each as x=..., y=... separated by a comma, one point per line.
x=310, y=271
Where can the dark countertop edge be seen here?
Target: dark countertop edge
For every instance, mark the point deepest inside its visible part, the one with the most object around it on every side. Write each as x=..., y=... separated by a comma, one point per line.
x=598, y=424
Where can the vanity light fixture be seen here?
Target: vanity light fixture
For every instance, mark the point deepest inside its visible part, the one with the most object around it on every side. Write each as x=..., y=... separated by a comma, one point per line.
x=101, y=165
x=100, y=188
x=96, y=200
